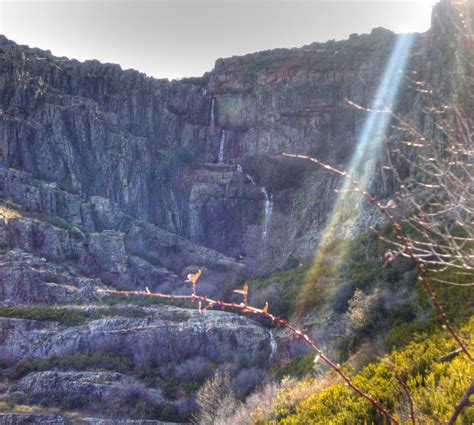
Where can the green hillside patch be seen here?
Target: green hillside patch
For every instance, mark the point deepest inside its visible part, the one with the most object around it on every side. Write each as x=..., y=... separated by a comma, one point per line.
x=435, y=373
x=67, y=316
x=280, y=289
x=64, y=316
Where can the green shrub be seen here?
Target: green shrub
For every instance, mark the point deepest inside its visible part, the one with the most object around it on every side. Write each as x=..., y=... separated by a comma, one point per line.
x=299, y=367
x=436, y=381
x=68, y=316
x=76, y=361
x=65, y=316
x=287, y=286
x=141, y=301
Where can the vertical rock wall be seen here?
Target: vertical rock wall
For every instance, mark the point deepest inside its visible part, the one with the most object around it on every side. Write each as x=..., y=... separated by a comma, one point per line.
x=152, y=147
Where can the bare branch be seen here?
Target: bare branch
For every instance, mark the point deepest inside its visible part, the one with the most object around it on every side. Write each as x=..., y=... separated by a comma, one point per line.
x=465, y=402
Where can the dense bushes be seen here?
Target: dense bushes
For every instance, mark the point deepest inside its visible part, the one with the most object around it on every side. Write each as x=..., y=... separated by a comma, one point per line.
x=436, y=384
x=373, y=300
x=67, y=316
x=299, y=367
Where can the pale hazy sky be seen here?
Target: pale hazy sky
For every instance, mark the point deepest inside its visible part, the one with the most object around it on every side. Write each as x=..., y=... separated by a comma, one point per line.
x=178, y=38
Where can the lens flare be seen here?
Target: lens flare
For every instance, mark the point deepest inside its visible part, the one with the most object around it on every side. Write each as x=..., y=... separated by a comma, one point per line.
x=349, y=205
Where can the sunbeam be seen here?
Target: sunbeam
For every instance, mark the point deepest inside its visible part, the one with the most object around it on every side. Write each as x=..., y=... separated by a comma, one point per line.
x=349, y=206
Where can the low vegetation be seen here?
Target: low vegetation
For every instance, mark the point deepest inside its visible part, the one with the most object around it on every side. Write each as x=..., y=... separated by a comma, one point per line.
x=66, y=316
x=115, y=300
x=76, y=362
x=430, y=367
x=436, y=384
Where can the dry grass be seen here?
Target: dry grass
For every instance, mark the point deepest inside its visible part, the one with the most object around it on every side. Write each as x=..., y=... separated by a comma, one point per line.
x=263, y=405
x=8, y=407
x=8, y=213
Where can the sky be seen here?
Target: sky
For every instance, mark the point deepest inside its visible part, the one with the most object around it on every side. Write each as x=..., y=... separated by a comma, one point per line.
x=183, y=38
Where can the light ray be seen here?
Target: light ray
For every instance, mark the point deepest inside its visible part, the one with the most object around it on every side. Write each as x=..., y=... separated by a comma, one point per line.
x=349, y=205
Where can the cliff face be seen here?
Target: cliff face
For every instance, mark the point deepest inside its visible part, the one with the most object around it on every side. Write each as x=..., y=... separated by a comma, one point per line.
x=197, y=157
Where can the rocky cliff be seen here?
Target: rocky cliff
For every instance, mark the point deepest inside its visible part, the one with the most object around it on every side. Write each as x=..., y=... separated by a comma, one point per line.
x=198, y=158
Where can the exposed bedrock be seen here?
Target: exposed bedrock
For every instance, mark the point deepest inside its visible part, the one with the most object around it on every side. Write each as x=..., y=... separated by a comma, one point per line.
x=164, y=334
x=193, y=156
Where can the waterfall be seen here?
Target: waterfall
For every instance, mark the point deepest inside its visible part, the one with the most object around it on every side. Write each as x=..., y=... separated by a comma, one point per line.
x=213, y=117
x=250, y=179
x=221, y=147
x=268, y=205
x=204, y=91
x=268, y=211
x=273, y=347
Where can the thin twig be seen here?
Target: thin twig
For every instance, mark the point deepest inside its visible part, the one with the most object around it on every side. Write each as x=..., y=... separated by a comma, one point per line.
x=245, y=308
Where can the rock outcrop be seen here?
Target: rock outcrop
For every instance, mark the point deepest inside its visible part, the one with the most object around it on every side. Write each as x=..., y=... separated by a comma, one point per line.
x=159, y=351
x=162, y=335
x=95, y=389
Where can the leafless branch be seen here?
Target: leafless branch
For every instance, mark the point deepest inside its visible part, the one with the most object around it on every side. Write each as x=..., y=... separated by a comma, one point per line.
x=465, y=402
x=245, y=308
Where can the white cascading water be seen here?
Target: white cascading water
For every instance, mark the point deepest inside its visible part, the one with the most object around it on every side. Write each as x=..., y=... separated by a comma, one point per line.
x=221, y=147
x=213, y=117
x=268, y=211
x=273, y=347
x=250, y=179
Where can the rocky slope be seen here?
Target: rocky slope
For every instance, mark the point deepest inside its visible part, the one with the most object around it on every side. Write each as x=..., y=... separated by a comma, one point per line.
x=162, y=354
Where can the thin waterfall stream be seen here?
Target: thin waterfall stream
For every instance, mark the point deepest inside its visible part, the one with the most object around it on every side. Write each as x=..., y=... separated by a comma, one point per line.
x=213, y=115
x=268, y=198
x=268, y=211
x=221, y=148
x=268, y=202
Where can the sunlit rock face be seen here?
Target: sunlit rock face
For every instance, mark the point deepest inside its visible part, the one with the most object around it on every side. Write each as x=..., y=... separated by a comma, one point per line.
x=179, y=154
